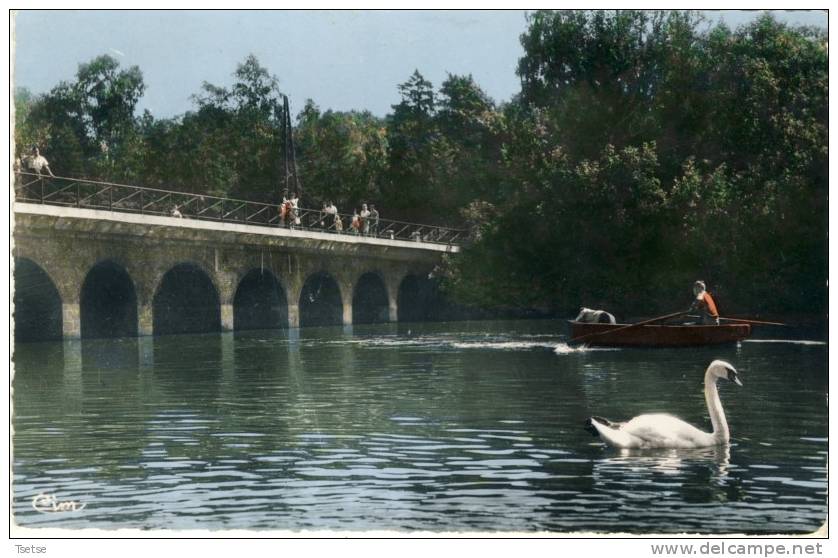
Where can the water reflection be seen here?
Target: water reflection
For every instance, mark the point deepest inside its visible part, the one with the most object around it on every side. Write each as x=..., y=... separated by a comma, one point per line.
x=670, y=461
x=700, y=475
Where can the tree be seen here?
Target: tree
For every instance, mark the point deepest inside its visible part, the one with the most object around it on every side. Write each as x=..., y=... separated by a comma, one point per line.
x=475, y=132
x=232, y=142
x=107, y=100
x=342, y=156
x=79, y=123
x=643, y=152
x=413, y=187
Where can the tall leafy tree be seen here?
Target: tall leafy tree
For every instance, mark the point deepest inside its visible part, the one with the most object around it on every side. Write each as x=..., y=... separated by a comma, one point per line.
x=343, y=156
x=86, y=123
x=231, y=145
x=475, y=131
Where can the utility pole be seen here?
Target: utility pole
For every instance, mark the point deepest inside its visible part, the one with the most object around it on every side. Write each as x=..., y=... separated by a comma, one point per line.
x=292, y=175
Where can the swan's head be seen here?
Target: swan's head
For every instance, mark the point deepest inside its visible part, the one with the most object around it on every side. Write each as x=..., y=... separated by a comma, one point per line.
x=723, y=369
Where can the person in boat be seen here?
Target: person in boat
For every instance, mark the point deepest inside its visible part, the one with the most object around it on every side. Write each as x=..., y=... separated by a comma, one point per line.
x=705, y=304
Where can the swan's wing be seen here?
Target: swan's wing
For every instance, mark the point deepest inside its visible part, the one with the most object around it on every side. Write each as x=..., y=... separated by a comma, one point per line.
x=613, y=435
x=661, y=430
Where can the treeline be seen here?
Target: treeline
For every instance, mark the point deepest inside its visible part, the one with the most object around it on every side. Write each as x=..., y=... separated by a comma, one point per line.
x=416, y=164
x=646, y=149
x=649, y=150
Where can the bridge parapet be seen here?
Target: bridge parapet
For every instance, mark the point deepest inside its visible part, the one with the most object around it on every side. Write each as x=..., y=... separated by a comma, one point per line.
x=123, y=198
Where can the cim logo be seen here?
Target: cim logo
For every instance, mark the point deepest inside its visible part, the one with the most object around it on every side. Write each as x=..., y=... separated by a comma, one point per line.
x=48, y=503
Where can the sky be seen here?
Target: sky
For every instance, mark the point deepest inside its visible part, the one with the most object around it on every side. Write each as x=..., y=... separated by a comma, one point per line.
x=343, y=60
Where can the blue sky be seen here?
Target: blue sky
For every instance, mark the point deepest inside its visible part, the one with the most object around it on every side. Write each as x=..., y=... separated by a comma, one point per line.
x=341, y=59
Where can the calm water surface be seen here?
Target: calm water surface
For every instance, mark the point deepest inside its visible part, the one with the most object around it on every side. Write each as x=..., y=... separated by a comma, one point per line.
x=434, y=427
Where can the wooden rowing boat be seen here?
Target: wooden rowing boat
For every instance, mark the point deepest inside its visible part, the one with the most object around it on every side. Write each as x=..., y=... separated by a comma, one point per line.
x=656, y=335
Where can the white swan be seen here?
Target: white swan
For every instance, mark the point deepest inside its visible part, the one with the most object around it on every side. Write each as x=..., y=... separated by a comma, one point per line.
x=666, y=431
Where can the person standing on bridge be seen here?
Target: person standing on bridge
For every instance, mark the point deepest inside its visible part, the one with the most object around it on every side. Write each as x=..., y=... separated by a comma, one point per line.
x=331, y=212
x=283, y=208
x=293, y=212
x=365, y=219
x=373, y=220
x=38, y=163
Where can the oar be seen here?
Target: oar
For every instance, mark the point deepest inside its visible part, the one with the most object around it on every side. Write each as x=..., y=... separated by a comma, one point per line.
x=658, y=319
x=757, y=322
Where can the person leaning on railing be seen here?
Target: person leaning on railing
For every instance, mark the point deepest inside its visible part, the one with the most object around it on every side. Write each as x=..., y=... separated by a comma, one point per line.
x=331, y=212
x=38, y=163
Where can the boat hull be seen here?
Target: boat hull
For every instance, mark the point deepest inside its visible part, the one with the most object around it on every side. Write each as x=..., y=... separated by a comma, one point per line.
x=657, y=335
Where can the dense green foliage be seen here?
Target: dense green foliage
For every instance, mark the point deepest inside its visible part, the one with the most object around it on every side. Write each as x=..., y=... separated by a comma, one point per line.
x=645, y=150
x=645, y=153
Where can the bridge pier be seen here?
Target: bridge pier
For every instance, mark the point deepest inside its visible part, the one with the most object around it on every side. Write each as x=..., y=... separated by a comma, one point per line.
x=71, y=320
x=293, y=315
x=347, y=313
x=226, y=317
x=393, y=310
x=392, y=285
x=346, y=282
x=145, y=320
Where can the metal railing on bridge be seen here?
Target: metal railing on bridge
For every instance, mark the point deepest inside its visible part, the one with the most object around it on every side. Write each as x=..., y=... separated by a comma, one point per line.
x=90, y=194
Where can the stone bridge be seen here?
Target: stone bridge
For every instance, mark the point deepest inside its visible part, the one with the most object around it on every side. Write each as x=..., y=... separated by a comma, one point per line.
x=97, y=273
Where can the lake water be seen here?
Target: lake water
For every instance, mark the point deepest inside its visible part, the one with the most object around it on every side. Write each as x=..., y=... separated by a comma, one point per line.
x=471, y=426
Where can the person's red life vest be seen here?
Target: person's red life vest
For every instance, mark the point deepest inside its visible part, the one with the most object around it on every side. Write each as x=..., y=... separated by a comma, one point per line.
x=711, y=305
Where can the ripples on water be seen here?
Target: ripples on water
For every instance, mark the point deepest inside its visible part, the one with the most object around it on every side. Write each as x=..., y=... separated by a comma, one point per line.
x=439, y=427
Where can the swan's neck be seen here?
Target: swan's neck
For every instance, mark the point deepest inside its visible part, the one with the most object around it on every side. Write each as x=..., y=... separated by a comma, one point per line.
x=714, y=407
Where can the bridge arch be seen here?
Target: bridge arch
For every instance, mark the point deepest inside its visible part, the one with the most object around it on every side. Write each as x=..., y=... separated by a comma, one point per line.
x=260, y=302
x=418, y=299
x=108, y=305
x=370, y=304
x=320, y=301
x=38, y=305
x=186, y=301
